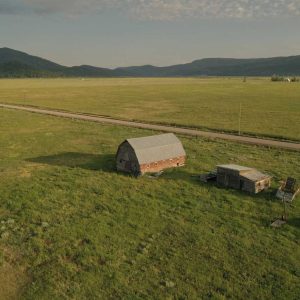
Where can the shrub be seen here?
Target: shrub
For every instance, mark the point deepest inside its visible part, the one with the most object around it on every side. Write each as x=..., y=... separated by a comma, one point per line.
x=277, y=78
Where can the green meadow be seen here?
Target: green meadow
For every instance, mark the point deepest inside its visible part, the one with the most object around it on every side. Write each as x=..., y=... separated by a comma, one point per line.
x=74, y=228
x=270, y=109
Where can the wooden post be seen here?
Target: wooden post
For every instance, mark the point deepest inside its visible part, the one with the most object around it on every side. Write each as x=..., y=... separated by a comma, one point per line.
x=284, y=217
x=240, y=118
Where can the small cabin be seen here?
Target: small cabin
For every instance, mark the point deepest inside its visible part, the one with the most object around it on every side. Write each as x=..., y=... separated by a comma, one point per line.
x=150, y=154
x=242, y=178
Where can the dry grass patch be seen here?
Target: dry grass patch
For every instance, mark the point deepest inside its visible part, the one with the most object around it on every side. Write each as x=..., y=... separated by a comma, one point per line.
x=13, y=277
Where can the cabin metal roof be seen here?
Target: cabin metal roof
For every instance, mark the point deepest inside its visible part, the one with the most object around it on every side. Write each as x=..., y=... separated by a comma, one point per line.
x=255, y=176
x=235, y=167
x=157, y=148
x=247, y=173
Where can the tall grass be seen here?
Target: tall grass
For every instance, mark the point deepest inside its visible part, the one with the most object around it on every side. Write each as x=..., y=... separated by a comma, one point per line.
x=76, y=229
x=270, y=109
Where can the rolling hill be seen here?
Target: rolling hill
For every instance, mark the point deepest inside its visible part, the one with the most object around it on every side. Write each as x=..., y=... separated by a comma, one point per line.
x=15, y=63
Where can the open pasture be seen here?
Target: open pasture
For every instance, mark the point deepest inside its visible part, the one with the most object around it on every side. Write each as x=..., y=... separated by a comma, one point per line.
x=270, y=109
x=73, y=228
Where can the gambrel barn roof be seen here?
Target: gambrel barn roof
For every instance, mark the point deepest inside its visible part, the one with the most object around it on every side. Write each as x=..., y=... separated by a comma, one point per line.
x=156, y=148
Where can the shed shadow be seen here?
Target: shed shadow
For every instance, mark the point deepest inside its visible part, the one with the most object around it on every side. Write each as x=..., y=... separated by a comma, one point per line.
x=182, y=174
x=103, y=162
x=294, y=222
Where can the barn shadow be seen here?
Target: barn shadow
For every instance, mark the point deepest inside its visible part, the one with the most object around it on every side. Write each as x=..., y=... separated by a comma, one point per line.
x=103, y=162
x=181, y=174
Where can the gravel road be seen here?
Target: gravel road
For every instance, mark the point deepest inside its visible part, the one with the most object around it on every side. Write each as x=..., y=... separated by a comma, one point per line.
x=185, y=131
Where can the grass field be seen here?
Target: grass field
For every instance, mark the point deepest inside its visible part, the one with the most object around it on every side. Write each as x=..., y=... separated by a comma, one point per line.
x=73, y=228
x=268, y=109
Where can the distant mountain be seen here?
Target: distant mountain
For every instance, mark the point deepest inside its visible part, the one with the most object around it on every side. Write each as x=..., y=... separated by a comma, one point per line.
x=224, y=67
x=15, y=63
x=32, y=66
x=9, y=55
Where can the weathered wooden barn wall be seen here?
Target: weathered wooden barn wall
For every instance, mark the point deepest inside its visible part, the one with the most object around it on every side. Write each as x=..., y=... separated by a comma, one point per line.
x=126, y=159
x=164, y=164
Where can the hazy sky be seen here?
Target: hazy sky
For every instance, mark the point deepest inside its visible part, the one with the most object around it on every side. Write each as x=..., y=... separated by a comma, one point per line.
x=111, y=33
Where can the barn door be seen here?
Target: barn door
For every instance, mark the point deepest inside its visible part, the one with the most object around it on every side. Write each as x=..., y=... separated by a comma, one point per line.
x=128, y=165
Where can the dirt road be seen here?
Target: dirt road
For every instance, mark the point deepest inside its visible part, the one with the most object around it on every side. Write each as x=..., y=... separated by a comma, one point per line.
x=185, y=131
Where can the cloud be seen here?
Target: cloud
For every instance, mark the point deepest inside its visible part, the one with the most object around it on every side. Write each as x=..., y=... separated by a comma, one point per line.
x=159, y=9
x=68, y=7
x=173, y=9
x=11, y=7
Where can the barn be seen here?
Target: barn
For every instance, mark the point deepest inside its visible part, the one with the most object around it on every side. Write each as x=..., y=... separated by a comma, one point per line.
x=243, y=178
x=150, y=154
